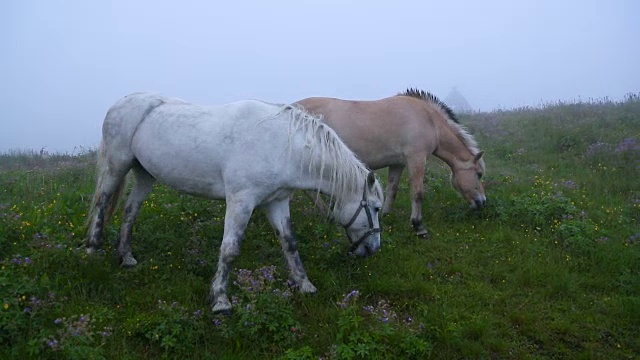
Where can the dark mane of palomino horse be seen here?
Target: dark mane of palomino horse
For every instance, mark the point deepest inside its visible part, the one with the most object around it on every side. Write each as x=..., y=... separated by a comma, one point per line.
x=403, y=131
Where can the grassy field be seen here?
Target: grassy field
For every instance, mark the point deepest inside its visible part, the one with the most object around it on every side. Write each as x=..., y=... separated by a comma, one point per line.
x=550, y=269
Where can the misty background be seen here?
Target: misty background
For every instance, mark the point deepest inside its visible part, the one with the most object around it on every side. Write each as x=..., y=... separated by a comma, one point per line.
x=64, y=63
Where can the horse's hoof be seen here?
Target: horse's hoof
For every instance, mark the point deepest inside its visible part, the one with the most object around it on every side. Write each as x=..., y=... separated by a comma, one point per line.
x=423, y=234
x=128, y=261
x=89, y=249
x=223, y=312
x=307, y=287
x=219, y=309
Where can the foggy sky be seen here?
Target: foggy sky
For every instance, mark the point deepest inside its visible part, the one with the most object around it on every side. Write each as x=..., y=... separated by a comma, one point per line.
x=64, y=63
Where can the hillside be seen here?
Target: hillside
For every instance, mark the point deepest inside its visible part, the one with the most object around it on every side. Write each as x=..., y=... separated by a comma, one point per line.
x=549, y=269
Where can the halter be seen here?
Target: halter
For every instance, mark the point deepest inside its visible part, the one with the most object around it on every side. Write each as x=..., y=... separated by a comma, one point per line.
x=371, y=231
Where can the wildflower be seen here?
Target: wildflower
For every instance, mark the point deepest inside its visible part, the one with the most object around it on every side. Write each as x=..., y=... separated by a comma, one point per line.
x=353, y=294
x=27, y=310
x=57, y=321
x=52, y=343
x=217, y=322
x=6, y=306
x=627, y=144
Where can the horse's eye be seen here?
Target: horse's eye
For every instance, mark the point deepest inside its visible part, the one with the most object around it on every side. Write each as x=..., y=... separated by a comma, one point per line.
x=479, y=176
x=377, y=209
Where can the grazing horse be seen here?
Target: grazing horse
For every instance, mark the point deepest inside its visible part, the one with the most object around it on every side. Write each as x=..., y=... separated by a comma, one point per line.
x=250, y=153
x=402, y=131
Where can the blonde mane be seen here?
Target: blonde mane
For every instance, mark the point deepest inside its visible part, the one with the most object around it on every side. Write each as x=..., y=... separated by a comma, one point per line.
x=447, y=113
x=325, y=146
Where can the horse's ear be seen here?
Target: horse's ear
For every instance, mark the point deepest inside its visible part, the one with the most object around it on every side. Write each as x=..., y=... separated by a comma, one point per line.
x=371, y=178
x=479, y=155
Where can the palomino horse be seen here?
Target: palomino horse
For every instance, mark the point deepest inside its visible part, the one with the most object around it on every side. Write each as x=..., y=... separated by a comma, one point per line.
x=251, y=153
x=402, y=131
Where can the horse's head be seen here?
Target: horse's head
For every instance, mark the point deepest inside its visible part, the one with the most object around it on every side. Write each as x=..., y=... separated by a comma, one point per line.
x=467, y=179
x=359, y=217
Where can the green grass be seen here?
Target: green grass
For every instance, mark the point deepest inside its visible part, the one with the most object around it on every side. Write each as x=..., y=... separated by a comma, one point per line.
x=550, y=269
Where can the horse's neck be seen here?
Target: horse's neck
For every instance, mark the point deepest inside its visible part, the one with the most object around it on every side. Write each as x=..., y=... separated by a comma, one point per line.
x=451, y=149
x=321, y=178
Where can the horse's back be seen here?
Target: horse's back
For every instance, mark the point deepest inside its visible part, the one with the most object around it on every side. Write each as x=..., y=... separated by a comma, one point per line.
x=199, y=149
x=381, y=132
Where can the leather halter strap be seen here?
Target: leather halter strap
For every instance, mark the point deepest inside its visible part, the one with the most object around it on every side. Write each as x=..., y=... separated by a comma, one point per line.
x=372, y=230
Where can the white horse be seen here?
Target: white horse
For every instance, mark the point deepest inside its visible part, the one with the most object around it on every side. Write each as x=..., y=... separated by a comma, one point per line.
x=251, y=153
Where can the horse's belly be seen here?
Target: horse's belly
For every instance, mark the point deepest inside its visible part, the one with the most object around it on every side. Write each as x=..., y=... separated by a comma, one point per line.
x=184, y=167
x=182, y=179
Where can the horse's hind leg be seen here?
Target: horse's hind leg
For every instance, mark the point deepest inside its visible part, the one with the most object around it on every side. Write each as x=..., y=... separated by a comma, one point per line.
x=143, y=182
x=236, y=219
x=416, y=181
x=395, y=172
x=279, y=217
x=107, y=192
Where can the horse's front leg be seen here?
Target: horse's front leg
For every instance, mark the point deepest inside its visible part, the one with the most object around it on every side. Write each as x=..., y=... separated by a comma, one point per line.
x=279, y=217
x=395, y=172
x=416, y=181
x=235, y=222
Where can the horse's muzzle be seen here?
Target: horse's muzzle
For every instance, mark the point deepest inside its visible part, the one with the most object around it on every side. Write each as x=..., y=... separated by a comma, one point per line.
x=479, y=203
x=367, y=249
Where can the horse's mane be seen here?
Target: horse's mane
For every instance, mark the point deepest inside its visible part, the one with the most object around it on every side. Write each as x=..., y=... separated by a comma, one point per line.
x=452, y=120
x=323, y=143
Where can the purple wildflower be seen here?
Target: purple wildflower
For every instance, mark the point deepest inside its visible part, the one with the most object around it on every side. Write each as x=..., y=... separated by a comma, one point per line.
x=627, y=144
x=57, y=321
x=598, y=147
x=353, y=294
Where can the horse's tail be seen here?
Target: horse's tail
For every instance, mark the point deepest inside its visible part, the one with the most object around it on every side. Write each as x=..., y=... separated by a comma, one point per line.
x=102, y=168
